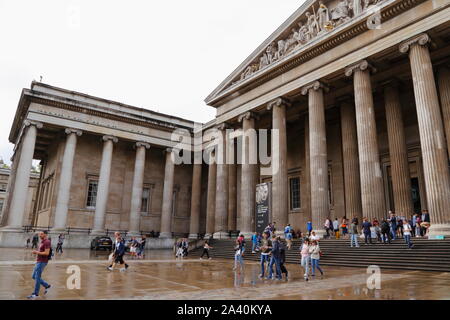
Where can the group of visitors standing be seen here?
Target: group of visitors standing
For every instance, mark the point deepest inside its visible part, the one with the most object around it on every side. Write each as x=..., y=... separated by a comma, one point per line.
x=182, y=248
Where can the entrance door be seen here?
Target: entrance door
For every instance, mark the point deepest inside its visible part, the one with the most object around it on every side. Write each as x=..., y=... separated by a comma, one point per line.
x=416, y=195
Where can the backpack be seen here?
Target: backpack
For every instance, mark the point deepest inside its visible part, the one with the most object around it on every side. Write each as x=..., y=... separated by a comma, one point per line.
x=50, y=254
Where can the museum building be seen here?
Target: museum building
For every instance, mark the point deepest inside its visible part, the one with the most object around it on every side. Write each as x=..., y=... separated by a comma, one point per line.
x=355, y=95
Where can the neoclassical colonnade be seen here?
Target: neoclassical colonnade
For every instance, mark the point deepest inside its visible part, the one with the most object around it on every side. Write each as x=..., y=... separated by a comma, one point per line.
x=19, y=193
x=363, y=180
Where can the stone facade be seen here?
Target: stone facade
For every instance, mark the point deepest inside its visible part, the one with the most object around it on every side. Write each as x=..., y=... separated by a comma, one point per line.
x=358, y=111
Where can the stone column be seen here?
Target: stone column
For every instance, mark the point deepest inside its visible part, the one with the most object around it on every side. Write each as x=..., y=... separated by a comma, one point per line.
x=196, y=197
x=444, y=90
x=221, y=217
x=232, y=181
x=398, y=153
x=435, y=158
x=307, y=174
x=103, y=185
x=280, y=212
x=211, y=198
x=65, y=180
x=137, y=188
x=166, y=213
x=320, y=203
x=20, y=192
x=248, y=180
x=372, y=194
x=352, y=183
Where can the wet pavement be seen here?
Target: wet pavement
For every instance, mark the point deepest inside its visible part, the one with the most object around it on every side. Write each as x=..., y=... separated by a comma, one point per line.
x=161, y=276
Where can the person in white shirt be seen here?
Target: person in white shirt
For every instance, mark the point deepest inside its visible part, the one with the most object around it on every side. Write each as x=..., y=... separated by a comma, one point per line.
x=314, y=251
x=304, y=251
x=314, y=237
x=407, y=229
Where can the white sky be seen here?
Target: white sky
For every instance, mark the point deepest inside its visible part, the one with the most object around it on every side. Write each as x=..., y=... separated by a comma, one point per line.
x=166, y=56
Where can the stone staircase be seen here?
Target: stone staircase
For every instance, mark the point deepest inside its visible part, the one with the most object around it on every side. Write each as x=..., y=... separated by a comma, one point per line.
x=427, y=255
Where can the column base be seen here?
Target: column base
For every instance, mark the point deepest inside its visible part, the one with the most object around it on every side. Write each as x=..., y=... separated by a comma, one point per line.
x=14, y=237
x=193, y=236
x=438, y=231
x=133, y=234
x=98, y=232
x=221, y=235
x=208, y=236
x=165, y=235
x=58, y=230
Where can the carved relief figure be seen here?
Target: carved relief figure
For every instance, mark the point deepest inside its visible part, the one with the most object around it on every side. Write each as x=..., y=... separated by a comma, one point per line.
x=313, y=27
x=263, y=61
x=323, y=17
x=271, y=52
x=341, y=13
x=302, y=34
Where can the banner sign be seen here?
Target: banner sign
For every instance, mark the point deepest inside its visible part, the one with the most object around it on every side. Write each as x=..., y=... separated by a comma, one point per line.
x=263, y=206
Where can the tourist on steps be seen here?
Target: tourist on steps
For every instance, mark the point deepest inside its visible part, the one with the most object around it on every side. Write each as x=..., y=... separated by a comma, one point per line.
x=266, y=247
x=275, y=259
x=354, y=233
x=366, y=230
x=407, y=229
x=314, y=251
x=309, y=227
x=336, y=228
x=385, y=231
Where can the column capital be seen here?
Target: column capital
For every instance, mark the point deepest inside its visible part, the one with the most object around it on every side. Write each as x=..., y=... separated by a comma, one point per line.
x=223, y=126
x=278, y=102
x=167, y=150
x=37, y=124
x=142, y=144
x=362, y=65
x=76, y=131
x=422, y=39
x=112, y=138
x=315, y=85
x=247, y=116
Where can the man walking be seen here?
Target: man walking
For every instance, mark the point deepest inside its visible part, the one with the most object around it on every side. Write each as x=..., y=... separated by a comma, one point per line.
x=385, y=232
x=34, y=242
x=118, y=238
x=275, y=259
x=43, y=255
x=119, y=252
x=60, y=244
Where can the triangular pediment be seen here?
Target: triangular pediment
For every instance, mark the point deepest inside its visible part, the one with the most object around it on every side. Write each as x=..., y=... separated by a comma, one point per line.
x=314, y=19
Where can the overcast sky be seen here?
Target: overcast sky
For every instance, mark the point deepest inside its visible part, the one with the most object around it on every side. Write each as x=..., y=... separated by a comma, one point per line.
x=166, y=56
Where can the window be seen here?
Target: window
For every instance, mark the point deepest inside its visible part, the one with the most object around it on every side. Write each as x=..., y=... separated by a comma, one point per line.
x=145, y=200
x=2, y=187
x=92, y=193
x=1, y=205
x=294, y=184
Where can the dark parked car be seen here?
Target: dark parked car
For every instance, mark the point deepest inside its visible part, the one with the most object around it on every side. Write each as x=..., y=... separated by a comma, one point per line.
x=103, y=242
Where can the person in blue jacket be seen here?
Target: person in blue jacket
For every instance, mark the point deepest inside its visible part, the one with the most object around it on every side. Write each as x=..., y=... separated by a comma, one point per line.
x=119, y=252
x=309, y=227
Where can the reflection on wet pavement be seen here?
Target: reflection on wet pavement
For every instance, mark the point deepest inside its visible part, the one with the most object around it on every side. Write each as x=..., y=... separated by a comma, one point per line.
x=161, y=276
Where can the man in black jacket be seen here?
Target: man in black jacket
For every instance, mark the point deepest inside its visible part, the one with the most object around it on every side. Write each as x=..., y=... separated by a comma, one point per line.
x=385, y=231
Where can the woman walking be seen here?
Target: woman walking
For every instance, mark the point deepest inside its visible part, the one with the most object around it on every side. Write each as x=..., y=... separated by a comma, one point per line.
x=239, y=252
x=304, y=251
x=206, y=248
x=314, y=251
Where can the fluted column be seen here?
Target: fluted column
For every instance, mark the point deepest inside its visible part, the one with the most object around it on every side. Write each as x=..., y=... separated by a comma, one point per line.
x=372, y=194
x=320, y=204
x=65, y=180
x=211, y=197
x=352, y=182
x=307, y=174
x=20, y=193
x=280, y=212
x=434, y=155
x=137, y=189
x=444, y=91
x=221, y=218
x=103, y=184
x=401, y=178
x=248, y=173
x=232, y=182
x=196, y=196
x=166, y=212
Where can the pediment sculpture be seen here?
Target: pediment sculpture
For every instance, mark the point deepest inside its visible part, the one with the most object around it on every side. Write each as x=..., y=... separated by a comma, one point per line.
x=314, y=23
